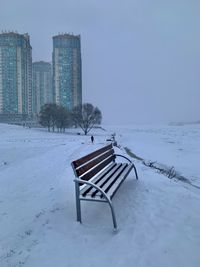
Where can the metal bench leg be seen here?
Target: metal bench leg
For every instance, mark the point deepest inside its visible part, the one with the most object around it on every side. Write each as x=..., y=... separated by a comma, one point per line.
x=113, y=215
x=78, y=203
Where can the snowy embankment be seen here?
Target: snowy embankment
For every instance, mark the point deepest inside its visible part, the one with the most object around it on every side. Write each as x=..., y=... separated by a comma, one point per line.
x=158, y=218
x=176, y=147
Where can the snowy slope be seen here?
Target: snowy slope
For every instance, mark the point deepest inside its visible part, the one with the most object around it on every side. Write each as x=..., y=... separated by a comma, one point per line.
x=158, y=218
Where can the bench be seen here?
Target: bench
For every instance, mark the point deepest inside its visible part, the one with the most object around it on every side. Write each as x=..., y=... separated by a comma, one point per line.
x=99, y=176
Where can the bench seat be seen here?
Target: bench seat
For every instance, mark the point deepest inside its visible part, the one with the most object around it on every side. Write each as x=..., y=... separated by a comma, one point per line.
x=108, y=181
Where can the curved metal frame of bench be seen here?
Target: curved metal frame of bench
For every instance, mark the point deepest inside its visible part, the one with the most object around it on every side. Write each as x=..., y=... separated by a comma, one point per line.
x=80, y=181
x=118, y=155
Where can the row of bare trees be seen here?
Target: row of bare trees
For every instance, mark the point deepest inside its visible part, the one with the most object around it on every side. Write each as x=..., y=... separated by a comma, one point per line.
x=85, y=116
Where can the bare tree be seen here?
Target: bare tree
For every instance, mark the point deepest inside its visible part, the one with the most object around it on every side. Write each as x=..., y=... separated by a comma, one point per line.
x=86, y=116
x=62, y=118
x=48, y=115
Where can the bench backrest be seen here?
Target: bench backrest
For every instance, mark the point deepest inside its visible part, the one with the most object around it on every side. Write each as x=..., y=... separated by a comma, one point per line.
x=89, y=165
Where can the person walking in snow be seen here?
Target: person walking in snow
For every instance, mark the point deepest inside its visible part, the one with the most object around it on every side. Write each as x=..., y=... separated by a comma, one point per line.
x=92, y=139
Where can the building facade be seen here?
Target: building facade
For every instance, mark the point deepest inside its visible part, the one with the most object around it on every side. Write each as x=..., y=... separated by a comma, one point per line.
x=15, y=74
x=42, y=85
x=67, y=70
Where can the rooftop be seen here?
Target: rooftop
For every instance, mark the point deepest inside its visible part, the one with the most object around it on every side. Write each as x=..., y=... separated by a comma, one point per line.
x=66, y=35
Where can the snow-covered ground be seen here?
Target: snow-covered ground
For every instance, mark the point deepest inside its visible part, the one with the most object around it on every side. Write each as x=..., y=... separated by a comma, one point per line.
x=174, y=146
x=158, y=218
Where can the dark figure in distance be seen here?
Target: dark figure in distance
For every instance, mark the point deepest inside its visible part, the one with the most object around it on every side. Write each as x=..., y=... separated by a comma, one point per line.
x=92, y=138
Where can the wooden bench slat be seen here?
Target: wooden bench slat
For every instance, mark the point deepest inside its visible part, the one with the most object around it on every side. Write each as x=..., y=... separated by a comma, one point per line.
x=117, y=184
x=87, y=188
x=112, y=180
x=97, y=169
x=101, y=182
x=80, y=171
x=77, y=163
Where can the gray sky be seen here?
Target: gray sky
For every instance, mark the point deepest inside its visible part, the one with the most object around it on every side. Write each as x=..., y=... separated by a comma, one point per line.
x=141, y=58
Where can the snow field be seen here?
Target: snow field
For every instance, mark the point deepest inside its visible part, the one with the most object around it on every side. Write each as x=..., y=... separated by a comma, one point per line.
x=158, y=218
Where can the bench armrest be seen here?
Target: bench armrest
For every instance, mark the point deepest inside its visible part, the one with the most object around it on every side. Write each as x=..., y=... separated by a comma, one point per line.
x=118, y=155
x=80, y=181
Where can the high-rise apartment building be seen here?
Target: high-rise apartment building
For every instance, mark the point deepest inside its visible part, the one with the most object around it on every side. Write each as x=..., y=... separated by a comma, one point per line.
x=67, y=76
x=42, y=85
x=15, y=74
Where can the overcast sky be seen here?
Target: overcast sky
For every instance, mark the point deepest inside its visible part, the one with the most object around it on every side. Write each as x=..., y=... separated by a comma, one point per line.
x=140, y=58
